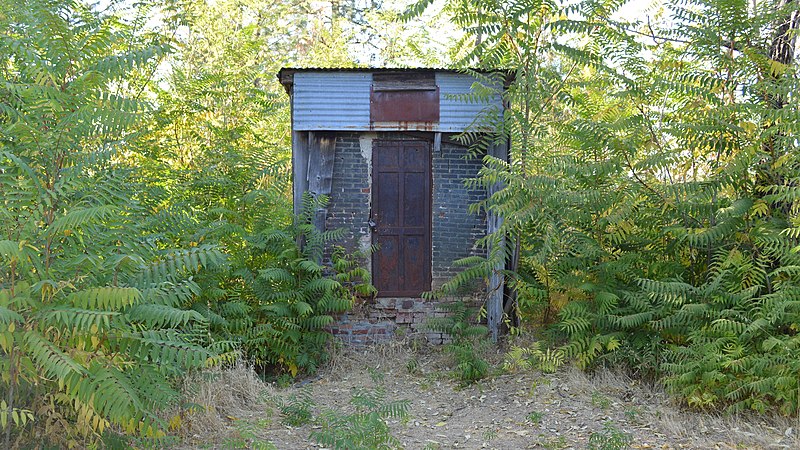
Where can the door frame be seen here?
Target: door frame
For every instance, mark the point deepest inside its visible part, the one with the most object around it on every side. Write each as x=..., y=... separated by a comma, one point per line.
x=428, y=227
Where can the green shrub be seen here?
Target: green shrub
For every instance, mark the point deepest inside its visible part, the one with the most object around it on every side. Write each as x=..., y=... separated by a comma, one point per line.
x=650, y=196
x=366, y=427
x=297, y=410
x=95, y=305
x=609, y=438
x=467, y=340
x=532, y=356
x=282, y=290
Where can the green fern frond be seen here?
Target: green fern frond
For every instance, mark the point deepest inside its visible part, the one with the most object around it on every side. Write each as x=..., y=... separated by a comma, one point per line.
x=162, y=316
x=105, y=298
x=51, y=360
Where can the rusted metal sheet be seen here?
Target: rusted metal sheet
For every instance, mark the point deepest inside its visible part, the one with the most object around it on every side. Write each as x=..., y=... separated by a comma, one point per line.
x=404, y=126
x=403, y=81
x=405, y=106
x=401, y=214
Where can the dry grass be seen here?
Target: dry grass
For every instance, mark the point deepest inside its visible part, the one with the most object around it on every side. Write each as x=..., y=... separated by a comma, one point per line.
x=345, y=360
x=234, y=396
x=700, y=430
x=223, y=395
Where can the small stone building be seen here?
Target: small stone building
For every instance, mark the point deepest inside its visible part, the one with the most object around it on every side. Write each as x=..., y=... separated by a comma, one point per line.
x=383, y=145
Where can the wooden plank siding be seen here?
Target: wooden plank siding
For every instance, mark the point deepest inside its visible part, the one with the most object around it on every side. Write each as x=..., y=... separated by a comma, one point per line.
x=320, y=171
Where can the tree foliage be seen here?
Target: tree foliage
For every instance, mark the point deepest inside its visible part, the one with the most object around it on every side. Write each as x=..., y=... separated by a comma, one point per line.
x=276, y=300
x=141, y=217
x=650, y=203
x=651, y=194
x=94, y=302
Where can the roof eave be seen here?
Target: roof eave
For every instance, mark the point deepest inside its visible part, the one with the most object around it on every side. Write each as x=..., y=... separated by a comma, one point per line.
x=286, y=74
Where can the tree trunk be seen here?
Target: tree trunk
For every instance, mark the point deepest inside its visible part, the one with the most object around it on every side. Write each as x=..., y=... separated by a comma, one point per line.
x=781, y=50
x=783, y=45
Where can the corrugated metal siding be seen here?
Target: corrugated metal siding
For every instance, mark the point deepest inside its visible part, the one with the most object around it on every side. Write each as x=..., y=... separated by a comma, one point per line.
x=340, y=101
x=459, y=114
x=331, y=100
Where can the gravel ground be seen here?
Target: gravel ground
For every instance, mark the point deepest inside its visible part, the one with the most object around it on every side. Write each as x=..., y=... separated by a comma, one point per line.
x=505, y=411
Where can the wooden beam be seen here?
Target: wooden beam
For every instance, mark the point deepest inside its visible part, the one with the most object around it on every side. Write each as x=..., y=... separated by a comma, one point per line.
x=446, y=138
x=299, y=168
x=496, y=287
x=320, y=163
x=320, y=171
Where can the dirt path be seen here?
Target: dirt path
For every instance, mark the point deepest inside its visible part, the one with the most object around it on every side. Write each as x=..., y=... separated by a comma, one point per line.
x=507, y=411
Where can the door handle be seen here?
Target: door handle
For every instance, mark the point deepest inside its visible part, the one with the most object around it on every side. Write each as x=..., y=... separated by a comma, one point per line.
x=373, y=226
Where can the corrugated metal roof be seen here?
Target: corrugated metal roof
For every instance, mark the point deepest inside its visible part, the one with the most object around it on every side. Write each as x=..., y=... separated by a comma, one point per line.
x=283, y=73
x=364, y=69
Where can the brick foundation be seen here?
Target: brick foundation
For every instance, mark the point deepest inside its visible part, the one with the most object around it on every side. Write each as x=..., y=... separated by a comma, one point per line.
x=386, y=319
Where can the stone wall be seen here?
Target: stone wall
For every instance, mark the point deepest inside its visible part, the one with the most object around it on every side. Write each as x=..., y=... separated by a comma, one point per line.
x=454, y=228
x=386, y=318
x=454, y=231
x=350, y=198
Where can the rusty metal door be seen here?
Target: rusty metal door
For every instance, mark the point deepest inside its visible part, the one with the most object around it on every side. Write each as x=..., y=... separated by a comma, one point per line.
x=401, y=217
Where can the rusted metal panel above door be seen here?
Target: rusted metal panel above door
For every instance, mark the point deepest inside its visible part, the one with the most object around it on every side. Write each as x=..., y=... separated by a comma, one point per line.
x=419, y=106
x=403, y=81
